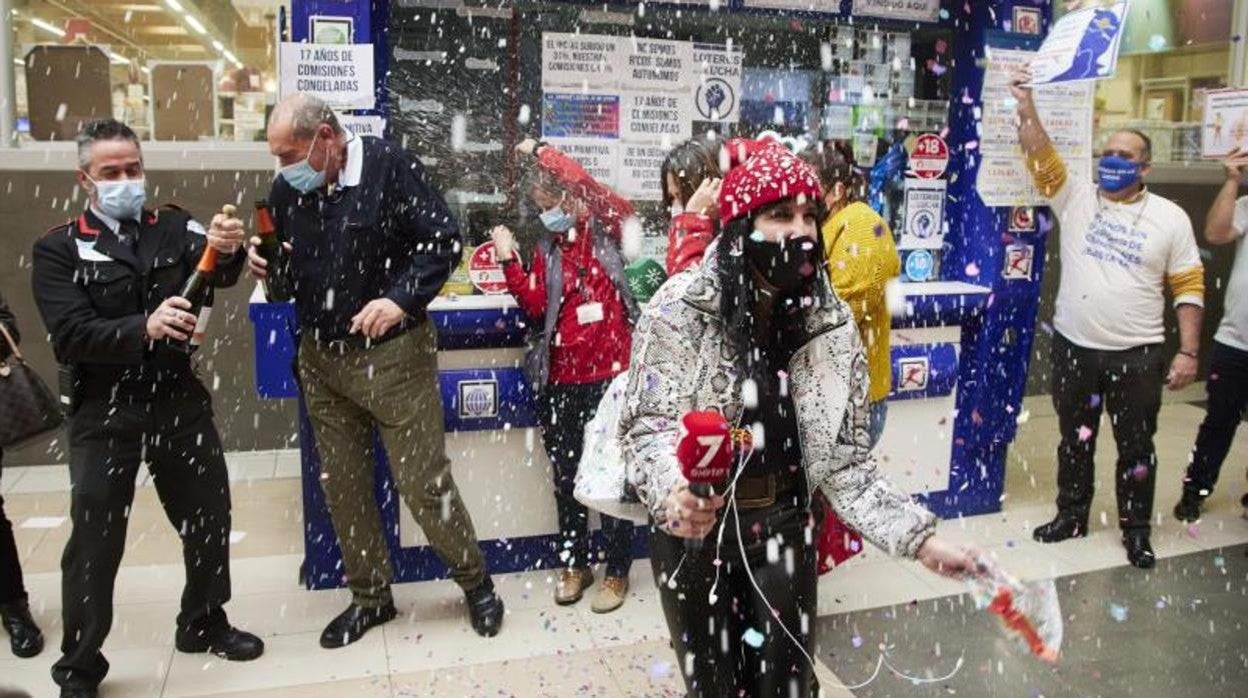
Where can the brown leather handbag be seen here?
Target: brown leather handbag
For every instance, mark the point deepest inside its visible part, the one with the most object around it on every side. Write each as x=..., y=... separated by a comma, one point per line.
x=28, y=409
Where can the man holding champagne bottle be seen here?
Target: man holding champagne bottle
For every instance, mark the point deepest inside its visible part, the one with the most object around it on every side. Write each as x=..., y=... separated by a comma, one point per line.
x=373, y=242
x=107, y=285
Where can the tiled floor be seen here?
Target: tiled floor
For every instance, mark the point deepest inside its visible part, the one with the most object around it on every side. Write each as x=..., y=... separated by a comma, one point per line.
x=546, y=650
x=1179, y=630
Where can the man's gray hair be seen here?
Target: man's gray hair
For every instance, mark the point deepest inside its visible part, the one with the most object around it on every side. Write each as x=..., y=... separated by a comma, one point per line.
x=307, y=113
x=102, y=130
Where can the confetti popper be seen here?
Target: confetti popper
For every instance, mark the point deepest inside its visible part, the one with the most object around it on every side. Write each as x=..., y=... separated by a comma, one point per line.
x=1003, y=605
x=1029, y=612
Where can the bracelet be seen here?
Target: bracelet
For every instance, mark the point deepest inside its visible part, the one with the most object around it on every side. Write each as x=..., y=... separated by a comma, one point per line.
x=1190, y=354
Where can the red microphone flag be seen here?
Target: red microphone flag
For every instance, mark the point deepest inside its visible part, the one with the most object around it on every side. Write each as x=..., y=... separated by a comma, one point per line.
x=705, y=448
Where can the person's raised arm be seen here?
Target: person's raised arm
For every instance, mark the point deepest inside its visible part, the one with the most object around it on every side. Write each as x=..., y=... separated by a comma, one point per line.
x=610, y=208
x=1220, y=227
x=1043, y=163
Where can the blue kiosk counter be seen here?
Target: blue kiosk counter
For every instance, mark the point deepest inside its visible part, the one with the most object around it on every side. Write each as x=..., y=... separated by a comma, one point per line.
x=960, y=349
x=494, y=443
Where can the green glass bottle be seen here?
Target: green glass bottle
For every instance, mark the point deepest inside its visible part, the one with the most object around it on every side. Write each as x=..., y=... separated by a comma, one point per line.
x=277, y=287
x=198, y=289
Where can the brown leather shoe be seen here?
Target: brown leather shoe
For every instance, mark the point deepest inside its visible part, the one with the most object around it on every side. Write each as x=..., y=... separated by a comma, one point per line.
x=572, y=584
x=610, y=594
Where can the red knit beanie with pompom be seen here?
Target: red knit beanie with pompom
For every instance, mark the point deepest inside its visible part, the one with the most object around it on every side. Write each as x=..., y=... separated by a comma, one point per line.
x=771, y=174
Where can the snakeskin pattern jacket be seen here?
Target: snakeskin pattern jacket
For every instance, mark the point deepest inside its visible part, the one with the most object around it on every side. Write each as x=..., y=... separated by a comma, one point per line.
x=682, y=361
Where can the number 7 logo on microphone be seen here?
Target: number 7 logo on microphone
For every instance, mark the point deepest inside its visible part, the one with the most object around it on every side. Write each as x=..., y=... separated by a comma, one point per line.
x=712, y=442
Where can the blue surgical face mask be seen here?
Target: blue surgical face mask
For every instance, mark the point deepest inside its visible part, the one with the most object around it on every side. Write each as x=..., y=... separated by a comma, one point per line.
x=557, y=220
x=1118, y=173
x=302, y=175
x=120, y=199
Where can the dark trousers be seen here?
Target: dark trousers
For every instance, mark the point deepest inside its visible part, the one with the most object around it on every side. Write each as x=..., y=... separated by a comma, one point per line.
x=11, y=586
x=565, y=410
x=1228, y=397
x=1128, y=385
x=173, y=431
x=724, y=664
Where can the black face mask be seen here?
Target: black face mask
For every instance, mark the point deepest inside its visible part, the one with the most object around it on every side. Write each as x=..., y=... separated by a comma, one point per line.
x=788, y=266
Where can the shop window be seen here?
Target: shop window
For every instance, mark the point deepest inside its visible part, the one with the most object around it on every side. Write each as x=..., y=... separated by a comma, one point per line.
x=145, y=47
x=1173, y=53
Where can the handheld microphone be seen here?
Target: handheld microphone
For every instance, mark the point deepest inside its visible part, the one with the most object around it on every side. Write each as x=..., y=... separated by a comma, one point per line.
x=705, y=455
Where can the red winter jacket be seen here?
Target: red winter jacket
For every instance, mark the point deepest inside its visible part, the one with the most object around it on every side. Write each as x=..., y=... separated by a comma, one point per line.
x=687, y=240
x=579, y=353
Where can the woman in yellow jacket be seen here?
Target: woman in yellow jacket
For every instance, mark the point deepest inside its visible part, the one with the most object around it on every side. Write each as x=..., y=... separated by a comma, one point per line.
x=862, y=259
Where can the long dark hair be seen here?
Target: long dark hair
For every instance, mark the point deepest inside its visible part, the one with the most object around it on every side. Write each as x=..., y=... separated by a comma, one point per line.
x=833, y=161
x=739, y=292
x=690, y=163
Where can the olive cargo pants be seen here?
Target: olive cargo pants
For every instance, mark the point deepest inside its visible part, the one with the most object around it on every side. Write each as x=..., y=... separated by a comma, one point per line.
x=394, y=386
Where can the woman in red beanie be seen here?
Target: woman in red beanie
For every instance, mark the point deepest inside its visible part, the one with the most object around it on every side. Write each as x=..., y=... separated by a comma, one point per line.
x=758, y=335
x=692, y=176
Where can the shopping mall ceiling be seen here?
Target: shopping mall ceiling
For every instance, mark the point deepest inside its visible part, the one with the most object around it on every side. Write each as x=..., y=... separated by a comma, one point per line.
x=138, y=31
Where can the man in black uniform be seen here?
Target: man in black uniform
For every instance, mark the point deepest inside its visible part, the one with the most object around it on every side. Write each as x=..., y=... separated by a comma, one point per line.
x=106, y=286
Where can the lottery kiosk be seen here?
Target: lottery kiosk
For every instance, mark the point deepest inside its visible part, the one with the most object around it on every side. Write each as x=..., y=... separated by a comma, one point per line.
x=616, y=87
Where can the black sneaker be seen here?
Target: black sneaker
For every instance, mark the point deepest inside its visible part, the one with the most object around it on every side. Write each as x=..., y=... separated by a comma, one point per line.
x=1061, y=528
x=485, y=608
x=25, y=638
x=351, y=624
x=1188, y=508
x=1139, y=550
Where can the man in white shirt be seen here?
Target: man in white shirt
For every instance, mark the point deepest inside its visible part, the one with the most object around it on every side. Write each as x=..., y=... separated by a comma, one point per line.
x=1228, y=370
x=1120, y=246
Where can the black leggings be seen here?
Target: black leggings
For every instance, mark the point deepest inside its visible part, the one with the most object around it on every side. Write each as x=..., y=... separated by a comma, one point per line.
x=565, y=410
x=713, y=657
x=11, y=587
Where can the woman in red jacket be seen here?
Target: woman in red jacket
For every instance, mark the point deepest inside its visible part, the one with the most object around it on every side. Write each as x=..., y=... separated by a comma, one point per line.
x=692, y=174
x=576, y=293
x=691, y=179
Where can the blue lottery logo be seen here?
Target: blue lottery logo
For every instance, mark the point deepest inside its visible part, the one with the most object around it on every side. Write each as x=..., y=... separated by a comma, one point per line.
x=919, y=265
x=478, y=399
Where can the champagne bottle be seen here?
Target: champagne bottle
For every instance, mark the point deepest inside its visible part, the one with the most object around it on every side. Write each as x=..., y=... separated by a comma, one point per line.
x=198, y=289
x=201, y=319
x=277, y=281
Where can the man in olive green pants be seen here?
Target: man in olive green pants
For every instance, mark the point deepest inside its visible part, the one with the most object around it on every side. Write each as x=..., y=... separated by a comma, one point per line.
x=370, y=243
x=394, y=385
